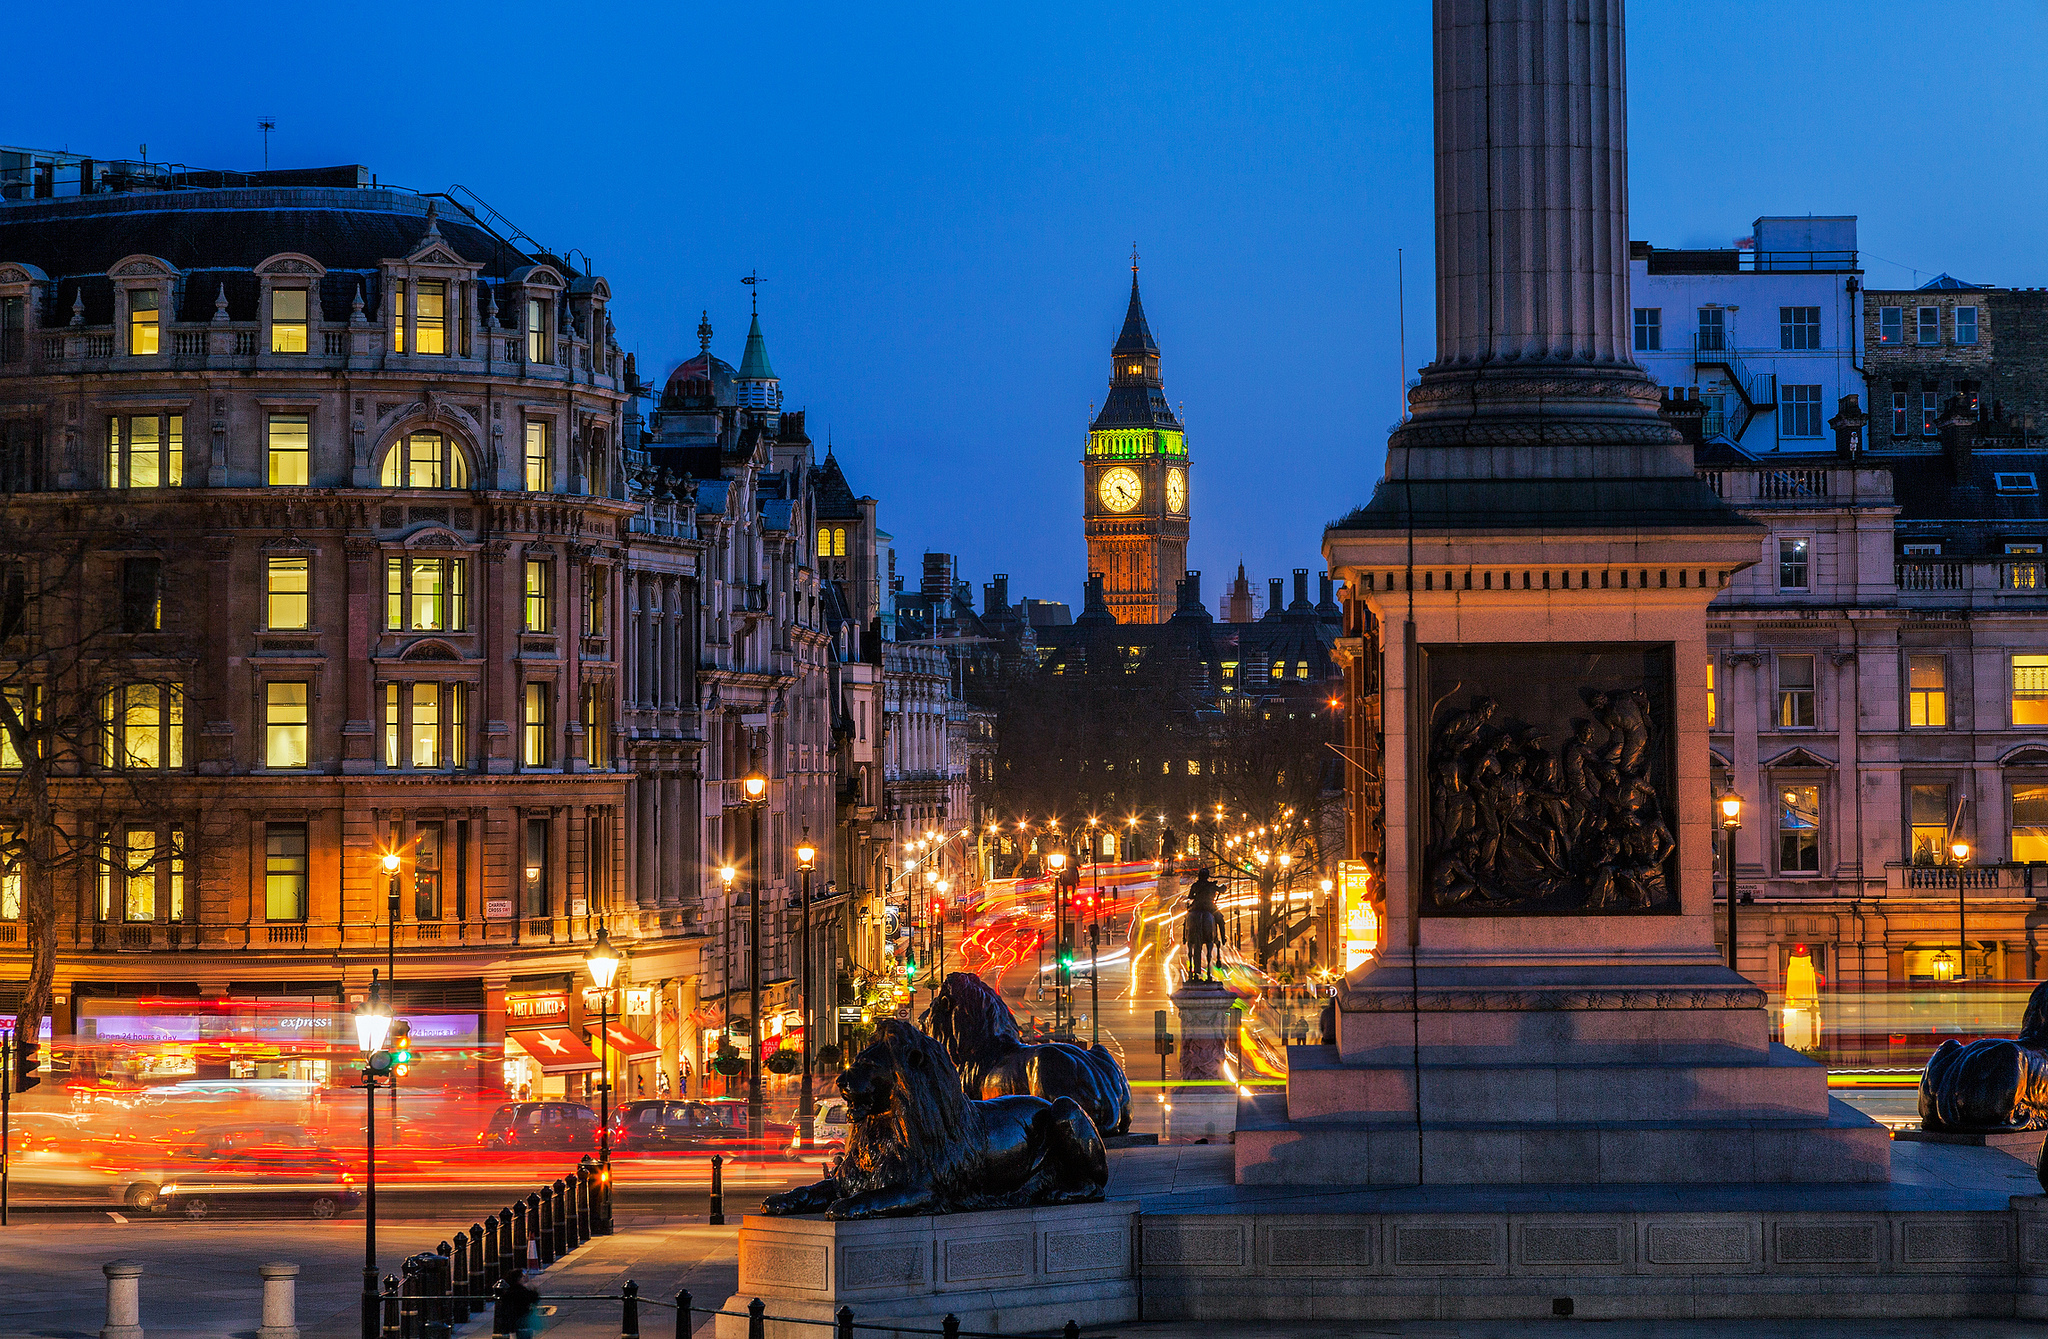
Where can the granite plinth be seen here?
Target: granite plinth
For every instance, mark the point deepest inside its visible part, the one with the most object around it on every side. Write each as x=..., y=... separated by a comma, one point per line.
x=1008, y=1271
x=2022, y=1144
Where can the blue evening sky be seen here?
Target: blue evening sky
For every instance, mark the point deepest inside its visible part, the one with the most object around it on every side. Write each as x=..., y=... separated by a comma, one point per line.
x=942, y=199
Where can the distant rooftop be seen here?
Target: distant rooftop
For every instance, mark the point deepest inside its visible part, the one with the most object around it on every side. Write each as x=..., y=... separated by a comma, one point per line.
x=42, y=174
x=1806, y=244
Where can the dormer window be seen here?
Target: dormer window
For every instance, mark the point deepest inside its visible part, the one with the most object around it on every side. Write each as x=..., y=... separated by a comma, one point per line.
x=287, y=320
x=539, y=345
x=143, y=327
x=2015, y=485
x=425, y=460
x=429, y=316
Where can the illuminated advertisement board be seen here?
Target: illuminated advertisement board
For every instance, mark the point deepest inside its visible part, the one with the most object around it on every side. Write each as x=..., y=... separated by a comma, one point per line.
x=1359, y=926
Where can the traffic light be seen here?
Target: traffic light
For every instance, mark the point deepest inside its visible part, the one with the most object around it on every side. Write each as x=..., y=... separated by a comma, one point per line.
x=28, y=1060
x=399, y=1044
x=379, y=1065
x=1162, y=1040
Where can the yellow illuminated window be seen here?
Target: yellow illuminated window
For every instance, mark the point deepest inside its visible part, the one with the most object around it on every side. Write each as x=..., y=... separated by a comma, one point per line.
x=425, y=594
x=146, y=451
x=284, y=724
x=537, y=343
x=391, y=725
x=429, y=594
x=425, y=460
x=1927, y=818
x=10, y=876
x=534, y=724
x=143, y=726
x=398, y=317
x=139, y=895
x=24, y=701
x=1927, y=691
x=429, y=316
x=2029, y=821
x=458, y=724
x=287, y=320
x=142, y=321
x=426, y=725
x=540, y=467
x=285, y=589
x=2030, y=690
x=597, y=726
x=594, y=584
x=1713, y=707
x=538, y=595
x=289, y=450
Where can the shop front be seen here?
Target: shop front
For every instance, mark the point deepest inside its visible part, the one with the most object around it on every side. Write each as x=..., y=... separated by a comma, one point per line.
x=542, y=1063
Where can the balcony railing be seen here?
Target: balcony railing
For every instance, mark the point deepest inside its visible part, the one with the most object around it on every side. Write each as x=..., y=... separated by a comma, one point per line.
x=2027, y=576
x=1998, y=880
x=1929, y=576
x=1792, y=485
x=1962, y=582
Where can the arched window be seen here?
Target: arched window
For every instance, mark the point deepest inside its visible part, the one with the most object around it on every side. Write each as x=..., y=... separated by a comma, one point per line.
x=839, y=543
x=425, y=460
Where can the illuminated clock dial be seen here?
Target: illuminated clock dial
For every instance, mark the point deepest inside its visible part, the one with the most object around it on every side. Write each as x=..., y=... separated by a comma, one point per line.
x=1120, y=489
x=1176, y=490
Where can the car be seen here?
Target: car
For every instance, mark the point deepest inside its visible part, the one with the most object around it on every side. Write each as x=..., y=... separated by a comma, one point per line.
x=540, y=1125
x=828, y=1127
x=711, y=1125
x=265, y=1181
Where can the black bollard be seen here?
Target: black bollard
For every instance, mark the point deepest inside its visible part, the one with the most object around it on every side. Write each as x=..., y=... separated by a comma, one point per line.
x=562, y=1241
x=950, y=1326
x=479, y=1284
x=393, y=1318
x=544, y=1228
x=503, y=1322
x=756, y=1327
x=440, y=1310
x=1072, y=1331
x=409, y=1297
x=458, y=1280
x=629, y=1316
x=516, y=1249
x=584, y=1178
x=511, y=1245
x=718, y=1190
x=845, y=1319
x=683, y=1314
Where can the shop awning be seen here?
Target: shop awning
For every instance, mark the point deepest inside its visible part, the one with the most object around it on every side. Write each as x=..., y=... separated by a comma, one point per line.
x=556, y=1050
x=629, y=1044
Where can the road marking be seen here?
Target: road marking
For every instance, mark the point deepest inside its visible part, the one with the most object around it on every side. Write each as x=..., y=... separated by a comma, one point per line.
x=116, y=1217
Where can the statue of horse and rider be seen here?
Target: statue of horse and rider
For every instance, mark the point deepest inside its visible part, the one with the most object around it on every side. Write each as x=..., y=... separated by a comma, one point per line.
x=1202, y=929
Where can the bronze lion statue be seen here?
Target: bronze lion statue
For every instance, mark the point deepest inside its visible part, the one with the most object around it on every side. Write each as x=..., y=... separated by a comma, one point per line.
x=1994, y=1083
x=980, y=1035
x=915, y=1144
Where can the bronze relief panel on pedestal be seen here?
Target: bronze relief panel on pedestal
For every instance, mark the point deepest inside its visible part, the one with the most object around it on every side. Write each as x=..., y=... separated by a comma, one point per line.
x=1549, y=780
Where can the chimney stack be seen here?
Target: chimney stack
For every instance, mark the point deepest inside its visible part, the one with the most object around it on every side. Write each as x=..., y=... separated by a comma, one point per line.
x=1301, y=604
x=1274, y=604
x=995, y=596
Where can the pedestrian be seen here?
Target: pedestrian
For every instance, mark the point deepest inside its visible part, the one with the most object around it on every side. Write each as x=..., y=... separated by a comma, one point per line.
x=518, y=1309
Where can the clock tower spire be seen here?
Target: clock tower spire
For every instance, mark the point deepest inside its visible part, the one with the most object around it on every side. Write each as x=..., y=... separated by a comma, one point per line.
x=1136, y=474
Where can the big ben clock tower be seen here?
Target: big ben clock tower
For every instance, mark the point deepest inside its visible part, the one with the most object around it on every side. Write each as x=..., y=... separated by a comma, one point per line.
x=1136, y=472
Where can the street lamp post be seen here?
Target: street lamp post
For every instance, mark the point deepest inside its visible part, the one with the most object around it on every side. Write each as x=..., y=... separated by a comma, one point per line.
x=1731, y=822
x=373, y=1024
x=726, y=874
x=1058, y=861
x=603, y=962
x=1960, y=849
x=755, y=787
x=806, y=860
x=391, y=965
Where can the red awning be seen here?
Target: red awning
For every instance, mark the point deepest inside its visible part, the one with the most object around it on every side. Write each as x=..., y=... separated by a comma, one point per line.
x=629, y=1044
x=558, y=1050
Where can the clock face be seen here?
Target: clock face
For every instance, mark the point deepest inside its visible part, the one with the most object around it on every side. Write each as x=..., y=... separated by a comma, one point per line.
x=1120, y=488
x=1176, y=490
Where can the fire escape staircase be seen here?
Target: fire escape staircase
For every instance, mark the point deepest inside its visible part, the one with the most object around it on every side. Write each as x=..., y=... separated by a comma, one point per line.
x=1757, y=394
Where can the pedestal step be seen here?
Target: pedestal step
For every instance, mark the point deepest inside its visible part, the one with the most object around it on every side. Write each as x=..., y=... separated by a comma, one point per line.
x=1846, y=1146
x=1778, y=1084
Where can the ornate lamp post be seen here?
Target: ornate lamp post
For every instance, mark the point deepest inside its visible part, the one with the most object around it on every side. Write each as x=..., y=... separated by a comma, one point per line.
x=390, y=863
x=1731, y=823
x=755, y=788
x=1058, y=861
x=373, y=1024
x=603, y=962
x=1959, y=850
x=806, y=861
x=726, y=874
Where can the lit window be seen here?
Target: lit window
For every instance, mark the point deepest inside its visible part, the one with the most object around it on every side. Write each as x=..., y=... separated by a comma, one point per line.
x=429, y=316
x=284, y=724
x=457, y=695
x=1799, y=327
x=139, y=893
x=1927, y=817
x=824, y=542
x=533, y=894
x=1799, y=829
x=425, y=594
x=1792, y=555
x=287, y=320
x=143, y=328
x=1799, y=411
x=1649, y=329
x=538, y=593
x=597, y=726
x=534, y=724
x=1927, y=691
x=1966, y=325
x=426, y=725
x=284, y=871
x=286, y=587
x=10, y=875
x=146, y=451
x=540, y=469
x=143, y=726
x=398, y=316
x=2030, y=690
x=425, y=460
x=1795, y=692
x=25, y=702
x=1891, y=325
x=1927, y=325
x=289, y=450
x=1713, y=705
x=392, y=724
x=142, y=595
x=538, y=345
x=2029, y=821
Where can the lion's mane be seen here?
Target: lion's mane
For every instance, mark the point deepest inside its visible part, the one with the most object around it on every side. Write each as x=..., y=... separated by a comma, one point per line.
x=981, y=1038
x=929, y=1134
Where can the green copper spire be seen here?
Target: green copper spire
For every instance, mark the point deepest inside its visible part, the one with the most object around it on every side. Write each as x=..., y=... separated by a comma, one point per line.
x=754, y=363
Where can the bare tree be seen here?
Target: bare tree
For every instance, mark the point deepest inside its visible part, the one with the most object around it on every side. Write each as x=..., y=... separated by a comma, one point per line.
x=93, y=699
